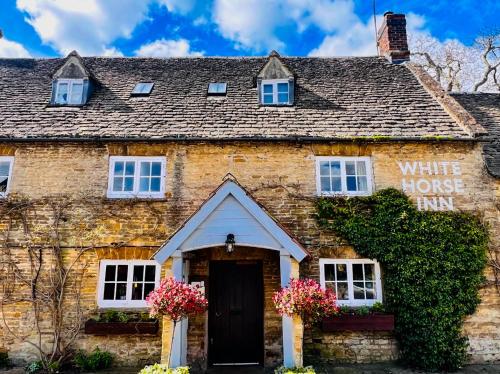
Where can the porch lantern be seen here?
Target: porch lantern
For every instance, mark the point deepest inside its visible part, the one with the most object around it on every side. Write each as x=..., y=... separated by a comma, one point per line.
x=230, y=243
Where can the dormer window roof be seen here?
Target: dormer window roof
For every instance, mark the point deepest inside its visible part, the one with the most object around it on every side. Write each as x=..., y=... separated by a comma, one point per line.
x=275, y=82
x=72, y=84
x=142, y=89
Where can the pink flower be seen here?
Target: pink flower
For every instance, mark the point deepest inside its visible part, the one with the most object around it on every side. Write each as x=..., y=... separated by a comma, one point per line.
x=305, y=298
x=176, y=300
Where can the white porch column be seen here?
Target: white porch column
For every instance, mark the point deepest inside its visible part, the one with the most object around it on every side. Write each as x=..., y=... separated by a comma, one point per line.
x=287, y=323
x=179, y=344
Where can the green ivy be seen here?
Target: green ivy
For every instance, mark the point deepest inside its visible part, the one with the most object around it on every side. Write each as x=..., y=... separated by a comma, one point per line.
x=433, y=265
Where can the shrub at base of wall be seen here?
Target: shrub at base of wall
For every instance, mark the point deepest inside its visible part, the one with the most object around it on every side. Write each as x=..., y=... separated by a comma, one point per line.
x=433, y=265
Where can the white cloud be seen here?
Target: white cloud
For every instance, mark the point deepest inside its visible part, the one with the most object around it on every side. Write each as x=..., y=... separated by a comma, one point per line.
x=179, y=6
x=10, y=49
x=167, y=48
x=88, y=26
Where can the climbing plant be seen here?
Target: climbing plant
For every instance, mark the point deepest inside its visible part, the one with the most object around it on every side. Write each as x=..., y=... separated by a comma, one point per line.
x=433, y=266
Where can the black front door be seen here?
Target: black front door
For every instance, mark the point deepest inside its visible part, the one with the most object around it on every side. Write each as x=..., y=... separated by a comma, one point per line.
x=236, y=296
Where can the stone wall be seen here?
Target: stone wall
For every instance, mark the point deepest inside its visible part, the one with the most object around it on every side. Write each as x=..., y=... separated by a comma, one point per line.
x=280, y=176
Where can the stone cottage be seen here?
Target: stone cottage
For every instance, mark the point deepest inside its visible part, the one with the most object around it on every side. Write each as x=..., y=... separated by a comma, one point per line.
x=206, y=169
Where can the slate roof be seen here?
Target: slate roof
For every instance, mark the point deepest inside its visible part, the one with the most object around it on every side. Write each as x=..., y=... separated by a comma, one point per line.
x=485, y=107
x=335, y=98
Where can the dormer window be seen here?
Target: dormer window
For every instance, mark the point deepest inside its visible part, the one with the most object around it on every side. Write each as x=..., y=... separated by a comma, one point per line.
x=275, y=92
x=69, y=92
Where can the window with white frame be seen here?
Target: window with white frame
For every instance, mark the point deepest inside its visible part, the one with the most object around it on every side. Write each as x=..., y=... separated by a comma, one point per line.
x=344, y=175
x=6, y=163
x=275, y=91
x=136, y=177
x=355, y=282
x=69, y=92
x=125, y=284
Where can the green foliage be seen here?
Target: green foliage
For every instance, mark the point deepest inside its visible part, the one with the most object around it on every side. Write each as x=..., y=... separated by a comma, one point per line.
x=433, y=266
x=378, y=307
x=296, y=370
x=97, y=360
x=4, y=360
x=113, y=316
x=362, y=311
x=34, y=367
x=163, y=369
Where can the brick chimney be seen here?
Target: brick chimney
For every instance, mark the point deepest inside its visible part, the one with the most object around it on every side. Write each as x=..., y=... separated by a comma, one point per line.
x=391, y=38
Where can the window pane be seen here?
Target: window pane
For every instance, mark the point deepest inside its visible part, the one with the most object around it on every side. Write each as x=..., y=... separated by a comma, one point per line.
x=144, y=185
x=129, y=184
x=337, y=184
x=329, y=272
x=150, y=273
x=122, y=273
x=121, y=291
x=369, y=272
x=330, y=286
x=324, y=168
x=118, y=184
x=155, y=184
x=3, y=184
x=357, y=272
x=145, y=169
x=62, y=93
x=335, y=167
x=325, y=184
x=119, y=168
x=138, y=273
x=4, y=168
x=148, y=287
x=76, y=93
x=283, y=88
x=342, y=291
x=350, y=168
x=362, y=184
x=351, y=183
x=109, y=291
x=110, y=273
x=268, y=99
x=370, y=290
x=341, y=272
x=268, y=88
x=137, y=291
x=283, y=98
x=361, y=168
x=129, y=168
x=156, y=169
x=359, y=290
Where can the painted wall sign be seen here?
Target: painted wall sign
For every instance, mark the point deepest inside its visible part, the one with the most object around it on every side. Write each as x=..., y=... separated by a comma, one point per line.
x=434, y=183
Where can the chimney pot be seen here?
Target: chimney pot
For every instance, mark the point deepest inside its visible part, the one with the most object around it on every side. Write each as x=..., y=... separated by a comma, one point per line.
x=391, y=38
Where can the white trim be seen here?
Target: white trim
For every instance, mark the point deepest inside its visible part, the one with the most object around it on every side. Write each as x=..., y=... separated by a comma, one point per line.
x=230, y=188
x=274, y=83
x=135, y=193
x=287, y=321
x=349, y=263
x=128, y=303
x=342, y=160
x=70, y=83
x=9, y=159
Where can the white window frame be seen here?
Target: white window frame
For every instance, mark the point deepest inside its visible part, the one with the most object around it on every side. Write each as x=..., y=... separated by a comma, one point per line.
x=274, y=83
x=349, y=262
x=343, y=177
x=135, y=192
x=70, y=83
x=128, y=303
x=10, y=159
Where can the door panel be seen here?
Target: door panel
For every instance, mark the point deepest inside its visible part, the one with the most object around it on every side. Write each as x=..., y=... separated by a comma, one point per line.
x=235, y=312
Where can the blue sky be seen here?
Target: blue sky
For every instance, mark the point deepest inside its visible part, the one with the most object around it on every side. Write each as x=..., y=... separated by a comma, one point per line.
x=46, y=28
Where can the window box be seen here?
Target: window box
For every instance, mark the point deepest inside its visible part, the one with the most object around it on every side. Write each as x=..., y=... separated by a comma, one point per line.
x=93, y=327
x=352, y=322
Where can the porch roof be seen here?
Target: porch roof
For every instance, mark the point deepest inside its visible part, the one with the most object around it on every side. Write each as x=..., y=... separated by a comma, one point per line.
x=231, y=210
